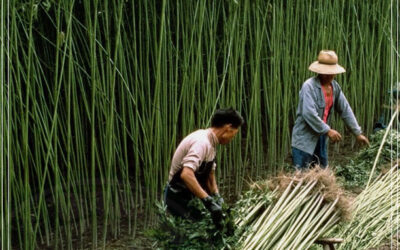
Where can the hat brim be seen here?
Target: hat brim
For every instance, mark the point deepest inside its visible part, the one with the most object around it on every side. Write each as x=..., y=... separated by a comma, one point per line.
x=326, y=69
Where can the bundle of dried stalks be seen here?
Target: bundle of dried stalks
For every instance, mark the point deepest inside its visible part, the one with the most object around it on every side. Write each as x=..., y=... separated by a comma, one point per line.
x=326, y=185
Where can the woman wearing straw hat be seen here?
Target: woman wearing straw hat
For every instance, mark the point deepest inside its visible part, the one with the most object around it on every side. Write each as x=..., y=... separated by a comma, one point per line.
x=319, y=96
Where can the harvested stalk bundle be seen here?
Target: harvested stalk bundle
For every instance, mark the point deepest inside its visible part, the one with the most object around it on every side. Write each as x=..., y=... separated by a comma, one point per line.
x=377, y=211
x=301, y=208
x=252, y=204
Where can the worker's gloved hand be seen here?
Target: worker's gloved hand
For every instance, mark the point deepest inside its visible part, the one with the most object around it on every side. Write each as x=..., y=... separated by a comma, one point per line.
x=215, y=210
x=218, y=198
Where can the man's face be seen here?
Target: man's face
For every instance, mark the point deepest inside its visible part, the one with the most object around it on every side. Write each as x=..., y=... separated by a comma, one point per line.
x=228, y=134
x=326, y=78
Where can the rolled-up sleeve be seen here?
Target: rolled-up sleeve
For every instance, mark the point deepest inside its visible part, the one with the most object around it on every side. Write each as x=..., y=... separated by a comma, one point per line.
x=310, y=113
x=195, y=155
x=345, y=111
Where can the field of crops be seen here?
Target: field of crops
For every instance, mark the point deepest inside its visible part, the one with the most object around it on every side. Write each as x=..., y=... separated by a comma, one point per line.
x=96, y=95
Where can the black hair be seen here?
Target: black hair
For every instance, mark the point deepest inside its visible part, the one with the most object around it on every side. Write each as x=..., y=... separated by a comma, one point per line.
x=226, y=116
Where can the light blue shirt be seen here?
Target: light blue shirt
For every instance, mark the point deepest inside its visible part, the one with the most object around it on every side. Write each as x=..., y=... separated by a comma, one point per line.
x=309, y=124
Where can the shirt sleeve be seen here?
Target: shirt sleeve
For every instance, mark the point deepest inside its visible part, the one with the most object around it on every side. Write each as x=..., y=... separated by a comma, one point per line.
x=195, y=156
x=310, y=113
x=345, y=111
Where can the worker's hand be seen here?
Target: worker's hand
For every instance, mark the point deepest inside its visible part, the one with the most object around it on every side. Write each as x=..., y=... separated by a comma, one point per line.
x=362, y=139
x=215, y=210
x=218, y=198
x=334, y=135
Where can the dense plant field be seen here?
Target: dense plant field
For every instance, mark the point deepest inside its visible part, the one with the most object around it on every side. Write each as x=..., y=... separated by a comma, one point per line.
x=99, y=93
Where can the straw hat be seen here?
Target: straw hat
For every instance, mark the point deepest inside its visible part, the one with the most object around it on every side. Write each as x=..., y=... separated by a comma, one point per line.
x=327, y=63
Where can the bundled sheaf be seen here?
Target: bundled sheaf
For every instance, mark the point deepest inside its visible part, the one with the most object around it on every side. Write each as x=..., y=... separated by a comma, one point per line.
x=299, y=209
x=376, y=217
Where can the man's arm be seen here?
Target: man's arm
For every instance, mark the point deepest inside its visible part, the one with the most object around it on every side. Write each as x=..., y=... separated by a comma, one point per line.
x=213, y=188
x=193, y=185
x=212, y=183
x=342, y=106
x=345, y=111
x=191, y=182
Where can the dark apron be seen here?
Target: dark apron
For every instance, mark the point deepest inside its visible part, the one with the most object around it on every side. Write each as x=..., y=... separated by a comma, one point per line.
x=177, y=196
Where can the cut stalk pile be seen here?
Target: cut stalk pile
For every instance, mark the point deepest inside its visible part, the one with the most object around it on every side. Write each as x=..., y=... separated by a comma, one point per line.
x=307, y=205
x=376, y=216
